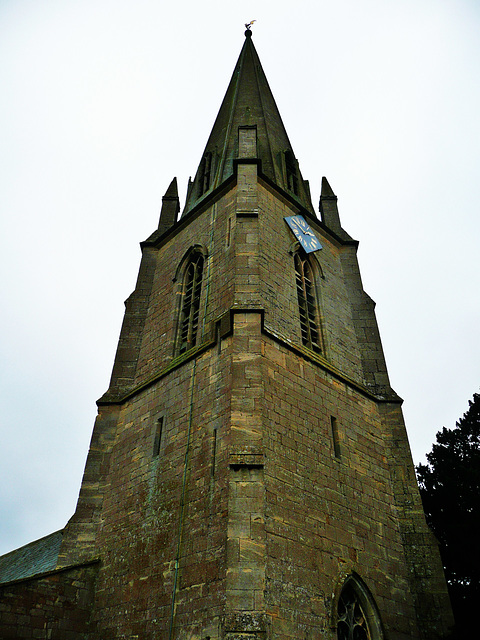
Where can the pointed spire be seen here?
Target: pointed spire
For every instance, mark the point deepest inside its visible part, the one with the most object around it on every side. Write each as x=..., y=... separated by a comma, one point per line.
x=248, y=105
x=170, y=207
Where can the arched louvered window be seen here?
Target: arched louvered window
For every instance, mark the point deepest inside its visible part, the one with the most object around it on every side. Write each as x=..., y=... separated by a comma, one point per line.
x=291, y=169
x=205, y=177
x=190, y=305
x=357, y=617
x=307, y=303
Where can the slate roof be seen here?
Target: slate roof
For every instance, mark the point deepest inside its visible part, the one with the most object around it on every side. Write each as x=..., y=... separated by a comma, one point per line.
x=34, y=558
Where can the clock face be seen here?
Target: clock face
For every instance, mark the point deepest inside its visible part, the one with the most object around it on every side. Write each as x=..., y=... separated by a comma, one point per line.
x=304, y=234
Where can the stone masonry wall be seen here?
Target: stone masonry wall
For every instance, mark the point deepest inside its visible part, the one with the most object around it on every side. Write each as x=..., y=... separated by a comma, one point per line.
x=327, y=515
x=212, y=231
x=54, y=606
x=163, y=537
x=79, y=542
x=150, y=340
x=279, y=290
x=426, y=576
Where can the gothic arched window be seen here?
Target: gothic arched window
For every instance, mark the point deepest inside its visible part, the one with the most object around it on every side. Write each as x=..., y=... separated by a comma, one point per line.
x=190, y=303
x=307, y=303
x=357, y=617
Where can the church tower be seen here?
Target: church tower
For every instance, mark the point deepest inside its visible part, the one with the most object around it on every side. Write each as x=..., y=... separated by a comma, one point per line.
x=249, y=475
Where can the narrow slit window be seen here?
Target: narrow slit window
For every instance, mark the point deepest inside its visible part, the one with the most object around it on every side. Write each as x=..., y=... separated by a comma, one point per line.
x=214, y=451
x=307, y=304
x=192, y=287
x=229, y=231
x=158, y=437
x=335, y=437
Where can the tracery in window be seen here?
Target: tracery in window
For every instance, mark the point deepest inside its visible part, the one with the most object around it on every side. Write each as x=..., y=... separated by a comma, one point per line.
x=307, y=303
x=357, y=617
x=352, y=621
x=190, y=305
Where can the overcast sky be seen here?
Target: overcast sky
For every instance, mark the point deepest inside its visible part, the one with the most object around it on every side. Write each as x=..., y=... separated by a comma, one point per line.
x=103, y=102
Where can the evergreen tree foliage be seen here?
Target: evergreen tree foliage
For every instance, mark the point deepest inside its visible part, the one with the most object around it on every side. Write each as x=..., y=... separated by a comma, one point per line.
x=450, y=490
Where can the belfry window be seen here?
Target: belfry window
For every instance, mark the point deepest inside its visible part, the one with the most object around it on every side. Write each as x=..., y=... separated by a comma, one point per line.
x=190, y=305
x=291, y=169
x=357, y=617
x=307, y=303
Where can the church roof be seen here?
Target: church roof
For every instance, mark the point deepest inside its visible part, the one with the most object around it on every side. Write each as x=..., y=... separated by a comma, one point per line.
x=248, y=102
x=32, y=559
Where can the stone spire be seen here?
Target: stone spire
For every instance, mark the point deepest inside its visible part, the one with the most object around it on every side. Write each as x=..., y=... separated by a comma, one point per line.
x=248, y=107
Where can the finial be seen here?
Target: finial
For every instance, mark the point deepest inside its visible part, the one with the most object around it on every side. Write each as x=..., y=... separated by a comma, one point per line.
x=248, y=32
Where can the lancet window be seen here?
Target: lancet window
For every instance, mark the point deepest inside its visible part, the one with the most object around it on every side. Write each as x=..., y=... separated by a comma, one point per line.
x=307, y=303
x=190, y=303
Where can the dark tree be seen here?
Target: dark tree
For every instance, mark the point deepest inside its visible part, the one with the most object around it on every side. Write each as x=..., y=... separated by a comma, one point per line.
x=450, y=490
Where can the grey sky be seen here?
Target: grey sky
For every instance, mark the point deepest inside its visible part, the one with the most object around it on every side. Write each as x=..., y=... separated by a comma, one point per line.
x=104, y=102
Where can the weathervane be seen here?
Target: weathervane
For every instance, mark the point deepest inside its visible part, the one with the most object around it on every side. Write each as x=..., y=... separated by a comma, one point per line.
x=249, y=25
